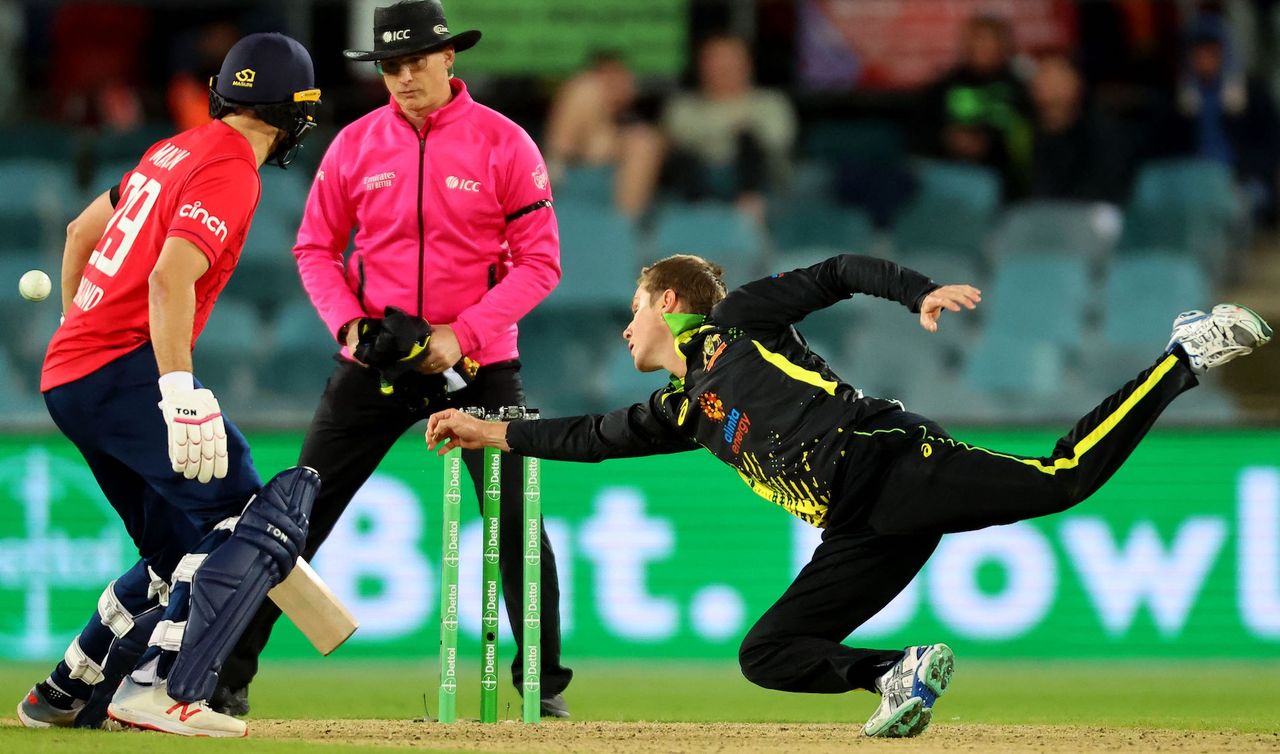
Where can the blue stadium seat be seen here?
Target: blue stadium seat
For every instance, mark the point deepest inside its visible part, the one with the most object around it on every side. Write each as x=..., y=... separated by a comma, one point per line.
x=623, y=384
x=584, y=183
x=952, y=209
x=597, y=256
x=18, y=394
x=108, y=173
x=798, y=224
x=1039, y=298
x=1144, y=293
x=1014, y=366
x=716, y=231
x=1187, y=204
x=284, y=195
x=229, y=350
x=52, y=141
x=39, y=194
x=1083, y=229
x=301, y=355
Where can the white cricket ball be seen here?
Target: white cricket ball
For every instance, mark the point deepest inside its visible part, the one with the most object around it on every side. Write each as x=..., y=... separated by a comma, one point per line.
x=35, y=286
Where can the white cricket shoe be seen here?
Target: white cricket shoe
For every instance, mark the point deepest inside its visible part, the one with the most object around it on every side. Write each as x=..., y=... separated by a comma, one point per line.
x=1211, y=340
x=908, y=691
x=151, y=707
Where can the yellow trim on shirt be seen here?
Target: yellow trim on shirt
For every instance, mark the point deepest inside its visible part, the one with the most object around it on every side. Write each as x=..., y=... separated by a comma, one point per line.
x=795, y=372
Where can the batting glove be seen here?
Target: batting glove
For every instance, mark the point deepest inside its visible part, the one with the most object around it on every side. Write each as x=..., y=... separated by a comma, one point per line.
x=197, y=435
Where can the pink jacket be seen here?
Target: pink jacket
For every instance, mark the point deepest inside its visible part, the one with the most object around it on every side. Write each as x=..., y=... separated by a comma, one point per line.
x=453, y=223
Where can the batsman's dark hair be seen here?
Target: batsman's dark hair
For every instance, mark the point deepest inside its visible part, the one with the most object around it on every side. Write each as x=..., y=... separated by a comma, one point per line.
x=695, y=280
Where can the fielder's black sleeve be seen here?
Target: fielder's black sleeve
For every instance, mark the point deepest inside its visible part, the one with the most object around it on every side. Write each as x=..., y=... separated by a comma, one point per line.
x=786, y=298
x=639, y=430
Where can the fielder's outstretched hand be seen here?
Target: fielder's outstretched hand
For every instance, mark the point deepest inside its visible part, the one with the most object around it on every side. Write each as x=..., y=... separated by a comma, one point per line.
x=947, y=297
x=456, y=429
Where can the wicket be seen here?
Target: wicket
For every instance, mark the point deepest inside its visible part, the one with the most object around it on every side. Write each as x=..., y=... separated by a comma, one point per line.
x=531, y=600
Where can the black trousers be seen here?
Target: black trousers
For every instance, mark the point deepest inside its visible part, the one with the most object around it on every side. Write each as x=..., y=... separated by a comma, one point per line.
x=353, y=428
x=878, y=537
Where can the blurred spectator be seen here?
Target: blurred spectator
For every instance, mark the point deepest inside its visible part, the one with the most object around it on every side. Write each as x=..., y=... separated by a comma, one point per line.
x=729, y=139
x=1222, y=115
x=593, y=121
x=977, y=112
x=97, y=59
x=1076, y=152
x=187, y=95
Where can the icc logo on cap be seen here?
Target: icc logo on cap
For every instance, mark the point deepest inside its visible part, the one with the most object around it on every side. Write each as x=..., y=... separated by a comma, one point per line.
x=244, y=78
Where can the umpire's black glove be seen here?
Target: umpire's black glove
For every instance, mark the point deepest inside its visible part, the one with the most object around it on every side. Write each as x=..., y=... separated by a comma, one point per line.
x=395, y=344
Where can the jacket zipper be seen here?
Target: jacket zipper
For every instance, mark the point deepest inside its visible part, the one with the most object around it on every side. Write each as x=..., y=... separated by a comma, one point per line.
x=422, y=227
x=360, y=289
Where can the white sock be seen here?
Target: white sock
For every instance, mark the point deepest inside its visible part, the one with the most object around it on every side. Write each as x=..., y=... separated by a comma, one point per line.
x=146, y=675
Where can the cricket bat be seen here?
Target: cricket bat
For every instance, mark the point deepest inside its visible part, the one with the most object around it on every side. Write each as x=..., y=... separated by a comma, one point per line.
x=313, y=608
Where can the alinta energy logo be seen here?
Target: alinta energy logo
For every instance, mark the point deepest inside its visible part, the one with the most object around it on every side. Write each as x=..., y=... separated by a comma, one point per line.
x=60, y=543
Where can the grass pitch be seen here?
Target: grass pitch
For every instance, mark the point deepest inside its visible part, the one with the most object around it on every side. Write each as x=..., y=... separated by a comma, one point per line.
x=650, y=707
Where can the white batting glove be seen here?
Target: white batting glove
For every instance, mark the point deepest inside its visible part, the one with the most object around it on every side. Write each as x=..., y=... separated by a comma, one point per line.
x=197, y=435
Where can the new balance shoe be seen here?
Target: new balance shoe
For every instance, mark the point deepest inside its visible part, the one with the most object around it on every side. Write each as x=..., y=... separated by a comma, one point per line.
x=908, y=691
x=46, y=707
x=1211, y=340
x=149, y=706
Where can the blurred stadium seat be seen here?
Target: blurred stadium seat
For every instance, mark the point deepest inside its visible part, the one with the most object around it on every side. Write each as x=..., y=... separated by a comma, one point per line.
x=585, y=184
x=1015, y=367
x=1039, y=298
x=716, y=231
x=798, y=224
x=1189, y=205
x=39, y=198
x=952, y=209
x=597, y=256
x=300, y=358
x=49, y=140
x=1144, y=293
x=229, y=351
x=1086, y=230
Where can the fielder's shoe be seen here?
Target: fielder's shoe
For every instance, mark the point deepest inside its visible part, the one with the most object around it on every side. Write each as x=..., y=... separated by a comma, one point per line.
x=1211, y=340
x=908, y=691
x=150, y=707
x=46, y=707
x=554, y=706
x=229, y=701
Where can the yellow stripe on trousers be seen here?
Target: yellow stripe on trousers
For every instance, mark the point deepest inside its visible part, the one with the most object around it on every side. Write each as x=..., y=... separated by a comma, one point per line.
x=1089, y=440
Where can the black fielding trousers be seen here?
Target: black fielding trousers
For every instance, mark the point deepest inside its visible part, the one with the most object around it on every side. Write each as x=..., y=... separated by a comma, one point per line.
x=353, y=428
x=879, y=536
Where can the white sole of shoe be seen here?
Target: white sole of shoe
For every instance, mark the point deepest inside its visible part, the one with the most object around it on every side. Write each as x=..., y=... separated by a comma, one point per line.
x=30, y=722
x=135, y=719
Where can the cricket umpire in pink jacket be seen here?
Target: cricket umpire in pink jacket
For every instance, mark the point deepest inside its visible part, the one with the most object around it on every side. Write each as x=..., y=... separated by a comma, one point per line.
x=451, y=208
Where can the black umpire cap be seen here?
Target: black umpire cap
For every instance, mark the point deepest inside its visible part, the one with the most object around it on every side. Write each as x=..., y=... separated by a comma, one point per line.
x=412, y=26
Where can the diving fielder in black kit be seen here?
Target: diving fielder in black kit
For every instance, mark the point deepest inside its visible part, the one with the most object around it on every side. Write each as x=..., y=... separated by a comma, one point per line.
x=885, y=484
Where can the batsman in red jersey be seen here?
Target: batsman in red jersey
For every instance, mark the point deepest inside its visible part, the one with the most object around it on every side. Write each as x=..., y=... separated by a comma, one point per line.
x=142, y=267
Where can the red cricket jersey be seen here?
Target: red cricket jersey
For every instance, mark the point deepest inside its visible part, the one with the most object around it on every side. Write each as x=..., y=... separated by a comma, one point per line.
x=201, y=185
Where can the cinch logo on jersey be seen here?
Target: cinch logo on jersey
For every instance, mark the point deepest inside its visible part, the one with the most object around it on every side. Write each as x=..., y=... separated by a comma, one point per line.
x=462, y=184
x=168, y=156
x=201, y=215
x=736, y=427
